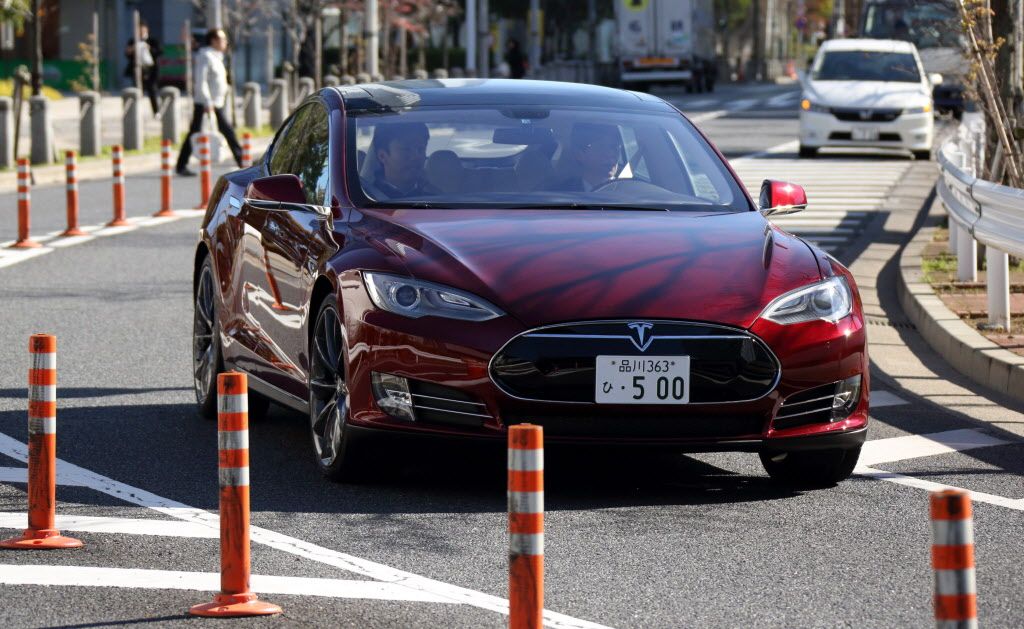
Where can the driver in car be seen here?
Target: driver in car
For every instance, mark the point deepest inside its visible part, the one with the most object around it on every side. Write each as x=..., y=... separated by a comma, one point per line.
x=401, y=150
x=595, y=150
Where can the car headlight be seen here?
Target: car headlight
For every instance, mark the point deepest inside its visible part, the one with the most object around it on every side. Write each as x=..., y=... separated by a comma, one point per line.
x=416, y=298
x=828, y=300
x=919, y=110
x=808, y=105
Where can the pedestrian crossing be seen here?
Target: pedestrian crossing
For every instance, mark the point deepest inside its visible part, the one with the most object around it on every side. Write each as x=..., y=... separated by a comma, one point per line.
x=843, y=193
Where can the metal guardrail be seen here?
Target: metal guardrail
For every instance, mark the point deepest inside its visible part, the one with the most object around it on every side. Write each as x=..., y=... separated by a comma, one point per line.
x=980, y=211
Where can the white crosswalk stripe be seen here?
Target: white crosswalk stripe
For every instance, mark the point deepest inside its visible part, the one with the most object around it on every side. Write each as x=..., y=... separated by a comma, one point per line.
x=842, y=194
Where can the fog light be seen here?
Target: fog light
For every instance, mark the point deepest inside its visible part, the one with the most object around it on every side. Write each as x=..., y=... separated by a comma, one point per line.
x=846, y=398
x=393, y=397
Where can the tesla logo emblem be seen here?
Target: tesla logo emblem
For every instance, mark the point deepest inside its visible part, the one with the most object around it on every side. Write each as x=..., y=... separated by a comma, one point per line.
x=865, y=114
x=640, y=334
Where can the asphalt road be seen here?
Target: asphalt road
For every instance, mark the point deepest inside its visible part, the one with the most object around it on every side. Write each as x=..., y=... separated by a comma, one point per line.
x=632, y=539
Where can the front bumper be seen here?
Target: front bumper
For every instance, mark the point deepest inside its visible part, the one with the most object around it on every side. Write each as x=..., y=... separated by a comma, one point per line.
x=448, y=367
x=908, y=131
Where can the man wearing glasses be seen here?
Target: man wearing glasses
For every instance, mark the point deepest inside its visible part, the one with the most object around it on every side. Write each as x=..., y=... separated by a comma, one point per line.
x=595, y=153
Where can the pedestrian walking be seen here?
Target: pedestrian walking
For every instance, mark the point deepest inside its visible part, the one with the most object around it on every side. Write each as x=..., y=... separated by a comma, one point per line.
x=515, y=59
x=146, y=53
x=210, y=88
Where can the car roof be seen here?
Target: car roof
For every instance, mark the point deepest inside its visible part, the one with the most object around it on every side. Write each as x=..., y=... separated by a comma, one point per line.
x=880, y=45
x=439, y=92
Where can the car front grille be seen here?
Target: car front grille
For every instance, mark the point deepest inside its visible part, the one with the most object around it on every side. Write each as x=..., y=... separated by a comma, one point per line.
x=873, y=115
x=557, y=363
x=435, y=403
x=812, y=406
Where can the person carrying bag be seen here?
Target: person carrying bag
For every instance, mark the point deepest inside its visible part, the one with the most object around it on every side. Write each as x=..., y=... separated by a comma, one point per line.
x=210, y=89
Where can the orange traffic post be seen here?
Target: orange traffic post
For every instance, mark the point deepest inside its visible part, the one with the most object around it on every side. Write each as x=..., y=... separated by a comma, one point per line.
x=956, y=598
x=246, y=150
x=119, y=212
x=234, y=599
x=71, y=171
x=24, y=241
x=205, y=170
x=525, y=526
x=42, y=451
x=165, y=179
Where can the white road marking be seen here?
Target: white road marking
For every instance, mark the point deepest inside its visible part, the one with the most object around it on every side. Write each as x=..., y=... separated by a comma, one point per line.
x=880, y=399
x=124, y=526
x=707, y=115
x=782, y=100
x=915, y=446
x=19, y=451
x=52, y=240
x=22, y=574
x=927, y=485
x=785, y=147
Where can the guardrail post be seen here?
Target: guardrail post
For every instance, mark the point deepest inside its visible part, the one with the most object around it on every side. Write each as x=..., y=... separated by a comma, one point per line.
x=440, y=73
x=253, y=110
x=170, y=114
x=966, y=247
x=42, y=136
x=331, y=80
x=278, y=102
x=131, y=122
x=89, y=123
x=997, y=286
x=348, y=79
x=6, y=132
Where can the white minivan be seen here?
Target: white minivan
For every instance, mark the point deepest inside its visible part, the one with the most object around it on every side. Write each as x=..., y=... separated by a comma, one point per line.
x=867, y=93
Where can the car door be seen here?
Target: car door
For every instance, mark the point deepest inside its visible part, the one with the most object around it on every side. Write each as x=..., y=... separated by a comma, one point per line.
x=293, y=241
x=260, y=296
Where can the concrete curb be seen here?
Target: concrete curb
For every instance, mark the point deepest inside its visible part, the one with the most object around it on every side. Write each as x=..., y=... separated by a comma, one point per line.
x=101, y=168
x=966, y=349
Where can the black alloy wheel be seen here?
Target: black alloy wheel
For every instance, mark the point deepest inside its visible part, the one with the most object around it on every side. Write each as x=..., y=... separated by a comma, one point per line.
x=206, y=361
x=328, y=396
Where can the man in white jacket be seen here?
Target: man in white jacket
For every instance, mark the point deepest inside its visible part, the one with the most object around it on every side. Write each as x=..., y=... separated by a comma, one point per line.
x=210, y=91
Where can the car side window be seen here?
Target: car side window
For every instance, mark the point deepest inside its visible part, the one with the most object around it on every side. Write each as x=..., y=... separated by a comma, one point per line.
x=311, y=160
x=287, y=147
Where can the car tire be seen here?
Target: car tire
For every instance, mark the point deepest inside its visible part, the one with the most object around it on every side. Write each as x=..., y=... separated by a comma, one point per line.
x=923, y=156
x=334, y=445
x=811, y=469
x=207, y=361
x=808, y=151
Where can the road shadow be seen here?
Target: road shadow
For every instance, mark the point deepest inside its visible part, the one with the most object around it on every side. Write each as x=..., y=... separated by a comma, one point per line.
x=169, y=450
x=89, y=392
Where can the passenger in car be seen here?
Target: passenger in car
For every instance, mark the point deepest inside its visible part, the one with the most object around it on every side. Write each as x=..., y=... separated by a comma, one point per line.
x=401, y=150
x=594, y=153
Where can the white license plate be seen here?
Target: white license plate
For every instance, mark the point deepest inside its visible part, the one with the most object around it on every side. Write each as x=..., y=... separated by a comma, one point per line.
x=642, y=380
x=865, y=134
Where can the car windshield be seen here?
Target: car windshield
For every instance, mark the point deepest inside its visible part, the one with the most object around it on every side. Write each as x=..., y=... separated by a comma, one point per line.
x=925, y=23
x=537, y=157
x=866, y=65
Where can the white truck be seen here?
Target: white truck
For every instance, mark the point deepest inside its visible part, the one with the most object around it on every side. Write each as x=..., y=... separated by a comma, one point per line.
x=662, y=41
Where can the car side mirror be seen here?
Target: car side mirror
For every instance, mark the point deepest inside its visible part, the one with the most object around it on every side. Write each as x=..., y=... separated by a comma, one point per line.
x=779, y=197
x=935, y=78
x=277, y=189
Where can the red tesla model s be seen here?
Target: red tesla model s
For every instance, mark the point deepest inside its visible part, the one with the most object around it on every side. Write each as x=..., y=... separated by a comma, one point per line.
x=455, y=256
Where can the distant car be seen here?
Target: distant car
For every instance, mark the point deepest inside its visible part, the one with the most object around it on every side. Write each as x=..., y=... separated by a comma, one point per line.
x=451, y=257
x=867, y=93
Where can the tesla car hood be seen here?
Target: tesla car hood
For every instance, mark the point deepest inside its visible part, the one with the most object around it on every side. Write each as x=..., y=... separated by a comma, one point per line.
x=546, y=266
x=875, y=94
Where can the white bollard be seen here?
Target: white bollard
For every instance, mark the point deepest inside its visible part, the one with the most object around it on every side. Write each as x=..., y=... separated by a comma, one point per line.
x=170, y=114
x=966, y=256
x=42, y=133
x=997, y=286
x=131, y=121
x=6, y=132
x=89, y=123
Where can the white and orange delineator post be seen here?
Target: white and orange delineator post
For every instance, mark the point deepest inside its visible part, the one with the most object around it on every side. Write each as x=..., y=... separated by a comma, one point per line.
x=165, y=179
x=42, y=451
x=246, y=149
x=956, y=597
x=205, y=170
x=234, y=599
x=24, y=240
x=117, y=157
x=525, y=526
x=71, y=173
